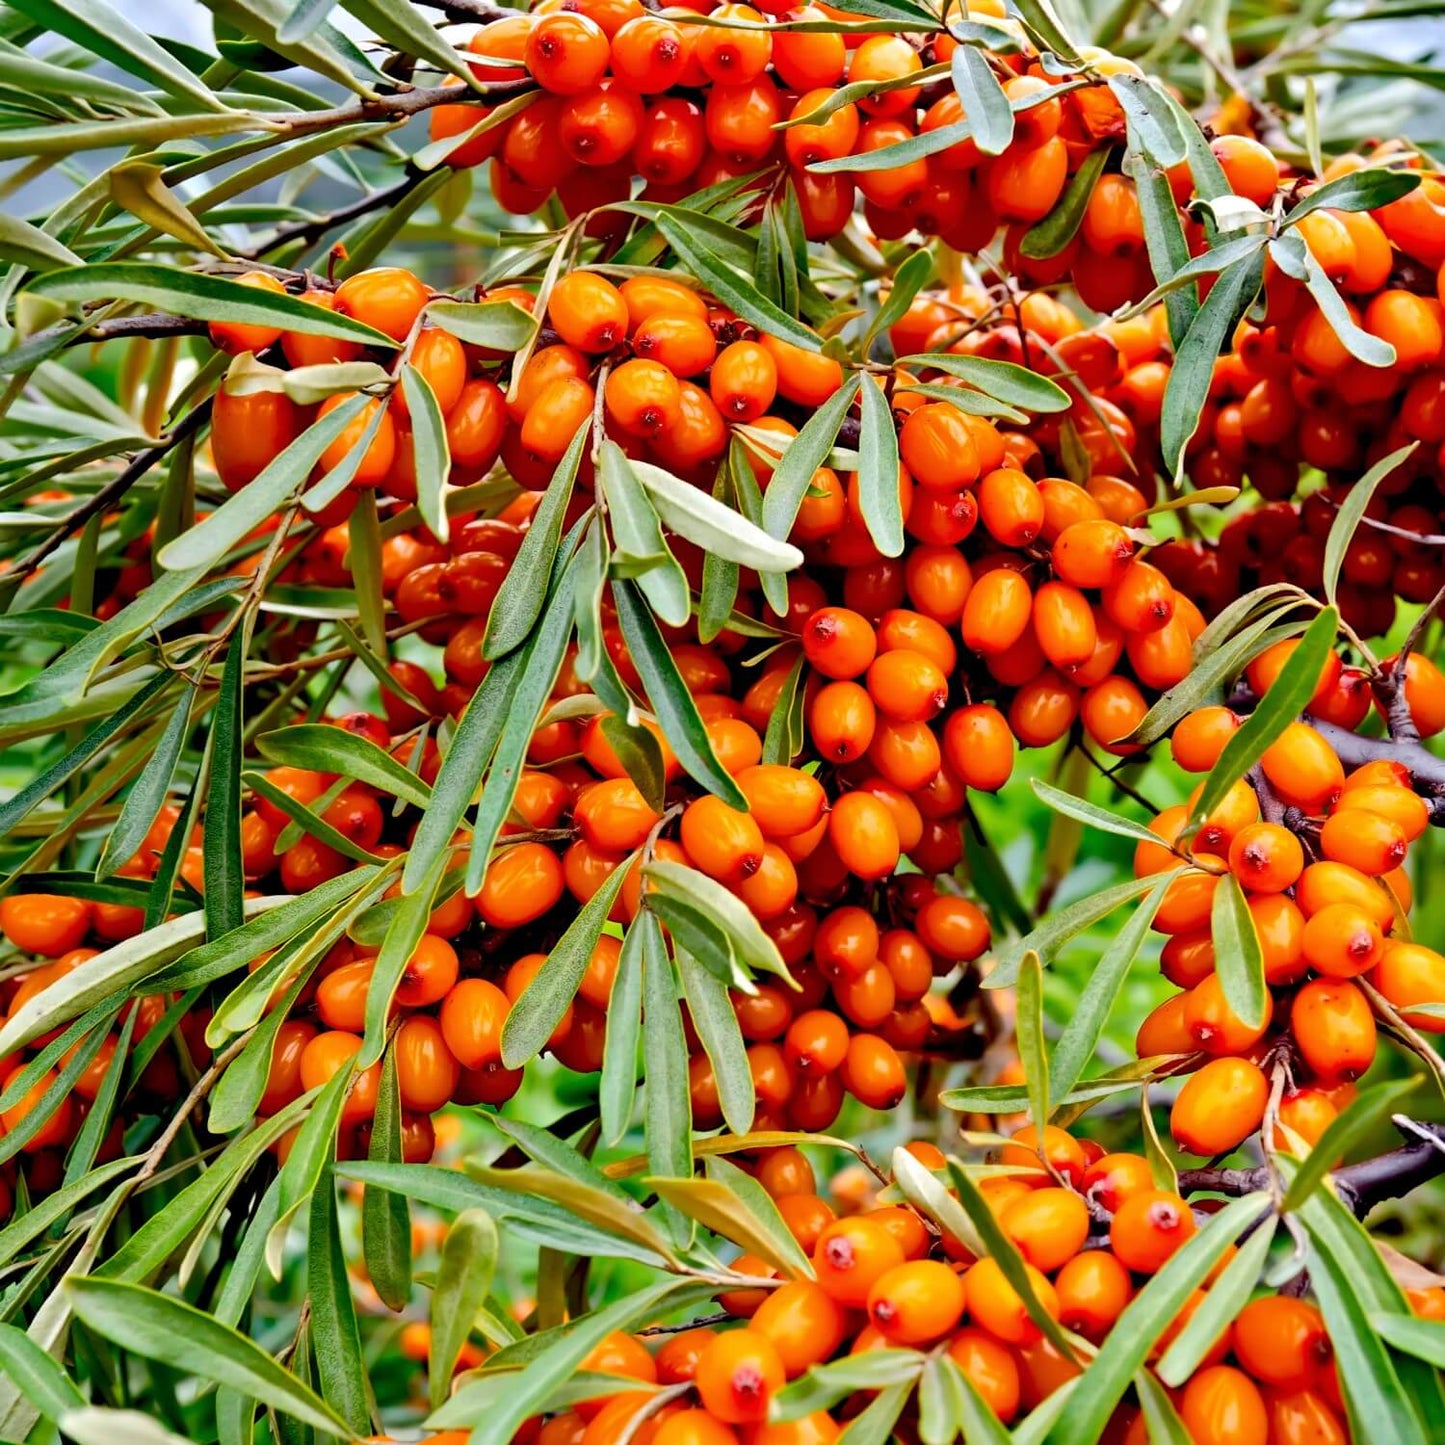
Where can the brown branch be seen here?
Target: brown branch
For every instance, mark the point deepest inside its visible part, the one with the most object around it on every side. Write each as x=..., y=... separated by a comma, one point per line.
x=149, y=324
x=1355, y=750
x=401, y=106
x=1361, y=1186
x=309, y=232
x=478, y=10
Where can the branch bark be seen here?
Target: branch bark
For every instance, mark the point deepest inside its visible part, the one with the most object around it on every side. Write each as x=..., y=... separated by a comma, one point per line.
x=1361, y=1186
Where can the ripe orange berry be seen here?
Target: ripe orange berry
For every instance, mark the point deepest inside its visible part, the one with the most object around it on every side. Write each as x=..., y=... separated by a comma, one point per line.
x=1303, y=768
x=1148, y=1227
x=1266, y=858
x=1219, y=1107
x=1093, y=1288
x=995, y=1305
x=721, y=841
x=991, y=1367
x=522, y=882
x=804, y=1324
x=744, y=381
x=1341, y=941
x=872, y=1072
x=586, y=310
x=916, y=1302
x=1092, y=554
x=1048, y=1225
x=1054, y=1148
x=642, y=398
x=385, y=297
x=1281, y=1341
x=737, y=1374
x=44, y=923
x=1410, y=973
x=1333, y=1028
x=1223, y=1406
x=566, y=52
x=471, y=1017
x=839, y=642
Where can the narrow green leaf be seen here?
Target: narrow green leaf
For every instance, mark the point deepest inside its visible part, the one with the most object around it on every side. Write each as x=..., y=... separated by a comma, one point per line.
x=1344, y=1134
x=908, y=280
x=988, y=110
x=1279, y=707
x=335, y=1340
x=1376, y=1401
x=221, y=837
x=148, y=793
x=667, y=1109
x=1005, y=1254
x=1352, y=509
x=386, y=1215
x=718, y=529
x=1075, y=1048
x=201, y=297
x=432, y=455
x=804, y=455
x=976, y=1419
x=1192, y=373
x=1048, y=237
x=1424, y=1339
x=824, y=1386
x=878, y=470
x=874, y=1426
x=716, y=1022
x=1049, y=935
x=464, y=1278
x=214, y=536
x=1005, y=381
x=639, y=548
x=1151, y=118
x=729, y=287
x=310, y=1157
x=403, y=934
x=671, y=701
x=524, y=589
x=327, y=749
x=539, y=1010
x=22, y=244
x=724, y=909
x=1364, y=190
x=36, y=1375
x=617, y=1093
x=1239, y=957
x=1090, y=813
x=1029, y=1034
x=158, y=1327
x=500, y=325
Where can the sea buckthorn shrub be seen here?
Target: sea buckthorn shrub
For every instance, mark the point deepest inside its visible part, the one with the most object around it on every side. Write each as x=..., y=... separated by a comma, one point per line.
x=740, y=757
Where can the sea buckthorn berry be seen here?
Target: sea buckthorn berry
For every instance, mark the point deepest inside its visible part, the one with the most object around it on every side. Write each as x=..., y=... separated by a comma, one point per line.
x=642, y=397
x=937, y=446
x=1303, y=768
x=388, y=298
x=1364, y=840
x=427, y=1072
x=1223, y=1406
x=1281, y=1341
x=1048, y=1225
x=1212, y=1025
x=1093, y=1288
x=44, y=923
x=816, y=1042
x=1111, y=1180
x=1064, y=624
x=1055, y=1149
x=907, y=686
x=1327, y=882
x=521, y=884
x=566, y=53
x=804, y=1324
x=842, y=719
x=994, y=1304
x=1410, y=973
x=979, y=746
x=839, y=642
x=1266, y=858
x=1010, y=507
x=1333, y=1028
x=1092, y=554
x=917, y=1302
x=997, y=612
x=1219, y=1107
x=953, y=928
x=721, y=841
x=783, y=801
x=586, y=309
x=992, y=1369
x=1407, y=810
x=1341, y=941
x=471, y=1016
x=852, y=1255
x=744, y=381
x=1148, y=1227
x=872, y=1072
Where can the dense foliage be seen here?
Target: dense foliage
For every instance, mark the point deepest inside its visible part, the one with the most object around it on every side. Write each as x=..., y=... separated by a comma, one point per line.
x=716, y=725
